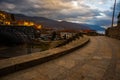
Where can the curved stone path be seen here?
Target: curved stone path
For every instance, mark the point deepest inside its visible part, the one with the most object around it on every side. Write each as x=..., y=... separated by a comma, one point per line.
x=98, y=60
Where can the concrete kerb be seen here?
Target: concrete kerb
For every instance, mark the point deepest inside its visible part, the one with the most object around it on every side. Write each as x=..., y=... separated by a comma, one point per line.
x=14, y=67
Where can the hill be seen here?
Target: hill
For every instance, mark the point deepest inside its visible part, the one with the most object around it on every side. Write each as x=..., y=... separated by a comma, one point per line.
x=58, y=25
x=51, y=23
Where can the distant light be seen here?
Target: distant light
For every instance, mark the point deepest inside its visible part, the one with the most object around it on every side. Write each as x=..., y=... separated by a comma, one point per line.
x=39, y=27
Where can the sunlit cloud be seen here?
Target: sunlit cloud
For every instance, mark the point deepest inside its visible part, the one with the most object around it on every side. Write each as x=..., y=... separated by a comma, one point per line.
x=80, y=11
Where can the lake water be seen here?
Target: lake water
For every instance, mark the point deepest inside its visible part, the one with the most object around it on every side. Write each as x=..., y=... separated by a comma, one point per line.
x=101, y=32
x=17, y=51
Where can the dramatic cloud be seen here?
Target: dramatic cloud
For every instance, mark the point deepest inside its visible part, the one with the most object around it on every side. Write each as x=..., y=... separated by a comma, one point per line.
x=97, y=12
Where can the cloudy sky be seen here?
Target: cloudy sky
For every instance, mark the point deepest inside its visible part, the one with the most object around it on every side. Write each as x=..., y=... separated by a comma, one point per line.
x=97, y=12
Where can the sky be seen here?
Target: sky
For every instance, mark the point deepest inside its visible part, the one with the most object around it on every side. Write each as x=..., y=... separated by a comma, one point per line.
x=98, y=12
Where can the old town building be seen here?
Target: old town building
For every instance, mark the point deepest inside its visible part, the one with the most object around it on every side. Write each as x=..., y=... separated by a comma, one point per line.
x=6, y=18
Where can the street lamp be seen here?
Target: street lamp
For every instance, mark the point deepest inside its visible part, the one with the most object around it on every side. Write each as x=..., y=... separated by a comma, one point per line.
x=113, y=13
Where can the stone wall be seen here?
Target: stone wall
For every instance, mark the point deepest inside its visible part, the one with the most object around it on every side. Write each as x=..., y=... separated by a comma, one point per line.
x=15, y=64
x=113, y=32
x=118, y=22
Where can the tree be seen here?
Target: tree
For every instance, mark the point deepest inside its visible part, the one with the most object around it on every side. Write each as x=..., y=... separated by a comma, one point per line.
x=53, y=35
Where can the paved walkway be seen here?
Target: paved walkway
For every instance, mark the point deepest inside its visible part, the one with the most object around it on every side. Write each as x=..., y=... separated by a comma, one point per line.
x=99, y=60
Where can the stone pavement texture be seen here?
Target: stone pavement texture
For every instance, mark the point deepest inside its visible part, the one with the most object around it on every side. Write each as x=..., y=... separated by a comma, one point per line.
x=98, y=60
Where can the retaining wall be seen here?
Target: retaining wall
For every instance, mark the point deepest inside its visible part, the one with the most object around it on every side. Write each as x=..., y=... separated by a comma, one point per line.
x=14, y=64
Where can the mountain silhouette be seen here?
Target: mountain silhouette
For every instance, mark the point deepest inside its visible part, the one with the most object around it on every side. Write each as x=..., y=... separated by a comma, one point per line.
x=49, y=23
